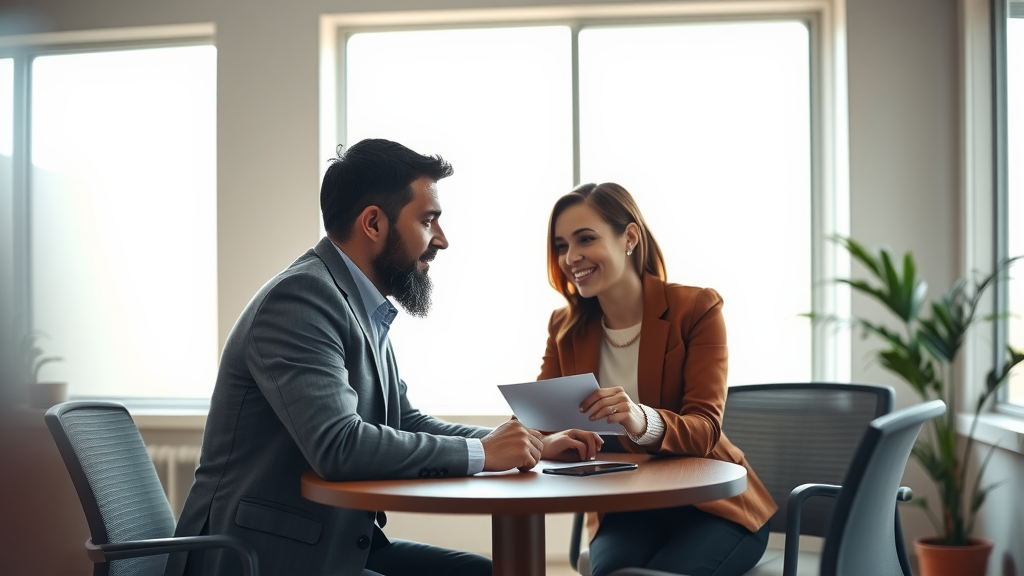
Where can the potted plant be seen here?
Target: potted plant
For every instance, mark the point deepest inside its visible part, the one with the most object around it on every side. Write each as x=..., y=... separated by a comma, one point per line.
x=922, y=349
x=41, y=394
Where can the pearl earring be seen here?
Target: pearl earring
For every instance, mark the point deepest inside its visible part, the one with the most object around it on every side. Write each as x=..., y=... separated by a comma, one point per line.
x=630, y=251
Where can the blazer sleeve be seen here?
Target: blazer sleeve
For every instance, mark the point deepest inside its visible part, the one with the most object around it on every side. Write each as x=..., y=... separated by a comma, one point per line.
x=694, y=430
x=296, y=353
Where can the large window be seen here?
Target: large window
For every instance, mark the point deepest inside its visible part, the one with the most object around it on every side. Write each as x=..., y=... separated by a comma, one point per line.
x=1012, y=113
x=707, y=124
x=121, y=228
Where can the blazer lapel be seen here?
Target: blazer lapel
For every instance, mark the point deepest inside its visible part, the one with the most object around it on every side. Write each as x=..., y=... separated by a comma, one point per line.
x=586, y=346
x=653, y=341
x=327, y=252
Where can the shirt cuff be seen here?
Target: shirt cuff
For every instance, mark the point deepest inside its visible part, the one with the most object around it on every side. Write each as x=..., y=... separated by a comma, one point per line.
x=655, y=427
x=476, y=455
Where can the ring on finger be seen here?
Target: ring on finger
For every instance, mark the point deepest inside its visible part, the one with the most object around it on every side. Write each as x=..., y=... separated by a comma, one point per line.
x=614, y=410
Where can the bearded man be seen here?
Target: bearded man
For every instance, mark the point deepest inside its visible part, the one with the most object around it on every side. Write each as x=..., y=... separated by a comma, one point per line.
x=308, y=381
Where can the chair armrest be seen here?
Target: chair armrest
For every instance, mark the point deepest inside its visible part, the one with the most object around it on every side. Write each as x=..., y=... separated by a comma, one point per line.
x=574, y=541
x=794, y=506
x=100, y=553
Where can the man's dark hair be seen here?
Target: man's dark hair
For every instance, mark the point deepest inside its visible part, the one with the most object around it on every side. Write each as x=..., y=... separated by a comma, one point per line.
x=372, y=172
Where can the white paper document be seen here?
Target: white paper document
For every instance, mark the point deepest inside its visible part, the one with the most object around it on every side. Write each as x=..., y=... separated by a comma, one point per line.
x=554, y=405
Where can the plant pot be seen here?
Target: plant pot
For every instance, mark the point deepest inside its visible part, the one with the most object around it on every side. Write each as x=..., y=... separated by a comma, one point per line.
x=43, y=395
x=937, y=559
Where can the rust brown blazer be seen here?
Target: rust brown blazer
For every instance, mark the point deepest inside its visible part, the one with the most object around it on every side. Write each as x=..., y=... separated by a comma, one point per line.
x=681, y=372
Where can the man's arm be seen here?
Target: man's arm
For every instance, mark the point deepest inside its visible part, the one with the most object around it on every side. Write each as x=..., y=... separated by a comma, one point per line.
x=510, y=445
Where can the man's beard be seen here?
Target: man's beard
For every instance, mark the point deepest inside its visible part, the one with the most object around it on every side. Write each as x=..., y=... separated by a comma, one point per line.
x=400, y=273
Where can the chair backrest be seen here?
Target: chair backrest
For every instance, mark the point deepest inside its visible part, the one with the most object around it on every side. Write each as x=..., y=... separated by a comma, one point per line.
x=115, y=480
x=800, y=433
x=862, y=538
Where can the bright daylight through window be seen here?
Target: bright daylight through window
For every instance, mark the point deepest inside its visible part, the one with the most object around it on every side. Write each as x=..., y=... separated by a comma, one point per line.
x=123, y=219
x=708, y=125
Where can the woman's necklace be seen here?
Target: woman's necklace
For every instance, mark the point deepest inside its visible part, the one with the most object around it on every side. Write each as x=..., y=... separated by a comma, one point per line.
x=627, y=343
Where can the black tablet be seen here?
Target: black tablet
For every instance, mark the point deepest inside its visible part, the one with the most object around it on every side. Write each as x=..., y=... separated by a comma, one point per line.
x=586, y=469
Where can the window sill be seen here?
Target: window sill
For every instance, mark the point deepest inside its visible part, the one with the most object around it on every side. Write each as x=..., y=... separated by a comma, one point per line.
x=162, y=413
x=170, y=417
x=1002, y=430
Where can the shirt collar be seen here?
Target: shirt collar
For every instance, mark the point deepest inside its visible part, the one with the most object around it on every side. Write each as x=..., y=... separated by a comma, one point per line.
x=377, y=306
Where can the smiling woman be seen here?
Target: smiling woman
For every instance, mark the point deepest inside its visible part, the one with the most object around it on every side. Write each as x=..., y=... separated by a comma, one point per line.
x=665, y=384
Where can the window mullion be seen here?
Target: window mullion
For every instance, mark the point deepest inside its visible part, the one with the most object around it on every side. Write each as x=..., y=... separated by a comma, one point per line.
x=575, y=31
x=21, y=161
x=1000, y=174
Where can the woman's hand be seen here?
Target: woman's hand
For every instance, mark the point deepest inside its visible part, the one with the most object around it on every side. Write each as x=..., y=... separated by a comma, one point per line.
x=569, y=445
x=614, y=405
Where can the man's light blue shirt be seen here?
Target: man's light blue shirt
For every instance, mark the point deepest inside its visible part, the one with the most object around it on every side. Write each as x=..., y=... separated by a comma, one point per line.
x=381, y=314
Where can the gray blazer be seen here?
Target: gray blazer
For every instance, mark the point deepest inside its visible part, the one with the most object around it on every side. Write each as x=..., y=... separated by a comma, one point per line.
x=300, y=387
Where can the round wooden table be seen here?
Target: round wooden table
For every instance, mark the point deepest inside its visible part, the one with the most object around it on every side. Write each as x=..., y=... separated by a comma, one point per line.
x=517, y=502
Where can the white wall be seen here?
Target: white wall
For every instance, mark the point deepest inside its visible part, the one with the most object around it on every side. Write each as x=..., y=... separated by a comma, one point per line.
x=903, y=90
x=904, y=147
x=1003, y=519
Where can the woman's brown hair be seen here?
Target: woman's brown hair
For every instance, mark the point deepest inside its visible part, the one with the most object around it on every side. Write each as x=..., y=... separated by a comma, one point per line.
x=616, y=207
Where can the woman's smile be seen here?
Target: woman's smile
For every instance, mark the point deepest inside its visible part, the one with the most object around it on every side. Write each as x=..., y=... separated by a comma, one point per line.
x=580, y=276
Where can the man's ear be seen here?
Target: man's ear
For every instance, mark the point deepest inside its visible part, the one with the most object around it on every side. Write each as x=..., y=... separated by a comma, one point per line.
x=372, y=223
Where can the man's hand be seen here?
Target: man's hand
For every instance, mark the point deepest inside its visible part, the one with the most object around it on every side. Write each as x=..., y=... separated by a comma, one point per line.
x=571, y=445
x=512, y=445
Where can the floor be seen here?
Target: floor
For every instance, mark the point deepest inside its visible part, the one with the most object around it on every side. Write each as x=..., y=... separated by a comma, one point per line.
x=560, y=569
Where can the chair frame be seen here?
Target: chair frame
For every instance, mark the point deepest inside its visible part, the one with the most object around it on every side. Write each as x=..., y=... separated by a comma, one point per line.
x=99, y=548
x=879, y=429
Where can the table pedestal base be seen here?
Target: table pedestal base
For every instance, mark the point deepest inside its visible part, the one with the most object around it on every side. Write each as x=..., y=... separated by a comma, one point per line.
x=517, y=544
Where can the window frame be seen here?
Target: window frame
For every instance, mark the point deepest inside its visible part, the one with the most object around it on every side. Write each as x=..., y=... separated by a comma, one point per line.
x=1000, y=15
x=984, y=237
x=825, y=20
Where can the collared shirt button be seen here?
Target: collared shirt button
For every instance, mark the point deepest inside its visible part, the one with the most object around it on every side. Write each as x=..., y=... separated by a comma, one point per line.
x=424, y=473
x=444, y=471
x=363, y=542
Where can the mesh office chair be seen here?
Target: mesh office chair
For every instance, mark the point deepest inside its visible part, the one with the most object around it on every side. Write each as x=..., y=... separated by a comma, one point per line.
x=862, y=538
x=792, y=434
x=800, y=433
x=129, y=518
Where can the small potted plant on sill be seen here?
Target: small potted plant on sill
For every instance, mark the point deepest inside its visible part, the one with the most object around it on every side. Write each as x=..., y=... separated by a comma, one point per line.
x=922, y=349
x=41, y=395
